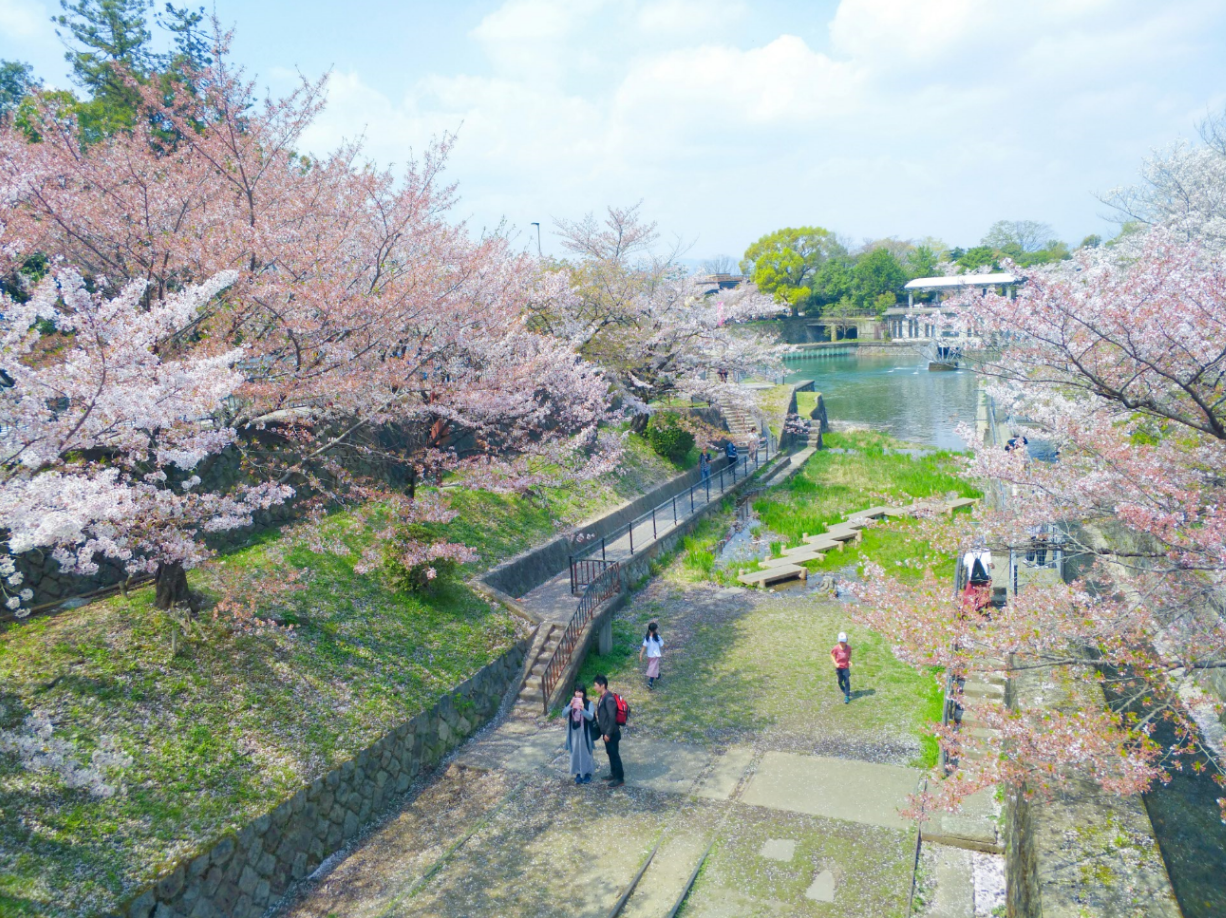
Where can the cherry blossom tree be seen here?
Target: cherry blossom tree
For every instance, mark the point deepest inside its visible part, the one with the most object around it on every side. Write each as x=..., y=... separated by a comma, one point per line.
x=1181, y=188
x=359, y=302
x=657, y=331
x=103, y=429
x=1119, y=360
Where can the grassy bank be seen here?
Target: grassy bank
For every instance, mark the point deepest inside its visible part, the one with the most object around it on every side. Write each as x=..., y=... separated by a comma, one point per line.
x=753, y=666
x=863, y=473
x=234, y=722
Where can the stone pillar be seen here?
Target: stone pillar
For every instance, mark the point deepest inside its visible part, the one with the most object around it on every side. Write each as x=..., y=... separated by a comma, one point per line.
x=604, y=641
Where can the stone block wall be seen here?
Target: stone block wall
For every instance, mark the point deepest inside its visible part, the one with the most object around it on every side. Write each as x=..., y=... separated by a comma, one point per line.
x=240, y=875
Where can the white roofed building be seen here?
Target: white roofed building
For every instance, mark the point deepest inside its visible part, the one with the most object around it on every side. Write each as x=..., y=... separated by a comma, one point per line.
x=912, y=321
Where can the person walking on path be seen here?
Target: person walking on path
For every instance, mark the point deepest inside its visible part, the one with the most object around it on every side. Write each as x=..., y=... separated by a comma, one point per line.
x=653, y=647
x=840, y=655
x=704, y=465
x=730, y=452
x=579, y=714
x=610, y=731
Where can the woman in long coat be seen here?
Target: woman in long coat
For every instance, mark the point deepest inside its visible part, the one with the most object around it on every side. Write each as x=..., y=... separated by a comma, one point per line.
x=579, y=713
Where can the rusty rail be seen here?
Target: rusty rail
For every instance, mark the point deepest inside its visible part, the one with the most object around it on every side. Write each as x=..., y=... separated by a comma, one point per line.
x=586, y=571
x=600, y=590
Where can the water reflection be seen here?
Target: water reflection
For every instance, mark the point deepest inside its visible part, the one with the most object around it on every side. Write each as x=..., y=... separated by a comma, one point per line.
x=897, y=394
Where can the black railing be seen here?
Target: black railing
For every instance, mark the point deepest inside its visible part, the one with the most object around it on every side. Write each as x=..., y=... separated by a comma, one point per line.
x=674, y=510
x=600, y=590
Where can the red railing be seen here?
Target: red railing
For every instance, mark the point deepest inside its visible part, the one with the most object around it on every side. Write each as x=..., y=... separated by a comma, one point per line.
x=586, y=571
x=607, y=585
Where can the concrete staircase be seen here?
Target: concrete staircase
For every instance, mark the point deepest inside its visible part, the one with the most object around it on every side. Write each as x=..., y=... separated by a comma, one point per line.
x=976, y=827
x=742, y=425
x=528, y=704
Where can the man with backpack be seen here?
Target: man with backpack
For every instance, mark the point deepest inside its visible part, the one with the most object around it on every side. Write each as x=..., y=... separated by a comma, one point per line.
x=612, y=712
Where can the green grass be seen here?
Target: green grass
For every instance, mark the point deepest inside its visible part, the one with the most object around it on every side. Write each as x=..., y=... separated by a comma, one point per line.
x=745, y=659
x=237, y=722
x=746, y=667
x=775, y=402
x=805, y=403
x=224, y=730
x=832, y=485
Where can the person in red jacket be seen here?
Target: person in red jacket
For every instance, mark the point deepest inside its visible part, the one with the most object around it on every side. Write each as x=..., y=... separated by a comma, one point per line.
x=840, y=655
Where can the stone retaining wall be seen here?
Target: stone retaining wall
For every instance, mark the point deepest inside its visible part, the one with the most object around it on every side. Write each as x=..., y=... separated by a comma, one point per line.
x=1078, y=851
x=243, y=872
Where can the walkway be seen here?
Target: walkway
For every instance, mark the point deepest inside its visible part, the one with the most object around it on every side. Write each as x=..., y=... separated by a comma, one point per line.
x=785, y=797
x=553, y=601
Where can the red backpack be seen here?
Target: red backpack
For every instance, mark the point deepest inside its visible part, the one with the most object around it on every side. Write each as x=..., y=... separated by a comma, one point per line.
x=623, y=710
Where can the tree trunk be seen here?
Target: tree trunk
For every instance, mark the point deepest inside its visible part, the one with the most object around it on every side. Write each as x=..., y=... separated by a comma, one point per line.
x=638, y=423
x=171, y=586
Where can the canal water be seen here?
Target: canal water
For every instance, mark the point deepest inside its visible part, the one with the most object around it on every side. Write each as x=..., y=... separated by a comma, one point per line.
x=897, y=394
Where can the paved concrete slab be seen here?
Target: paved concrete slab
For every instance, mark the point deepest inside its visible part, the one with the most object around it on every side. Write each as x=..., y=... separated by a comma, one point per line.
x=954, y=893
x=975, y=827
x=822, y=888
x=804, y=553
x=668, y=768
x=725, y=774
x=778, y=849
x=523, y=753
x=788, y=571
x=862, y=792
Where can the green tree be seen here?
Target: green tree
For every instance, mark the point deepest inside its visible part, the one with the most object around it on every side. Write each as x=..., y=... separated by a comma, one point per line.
x=784, y=262
x=832, y=283
x=922, y=263
x=17, y=80
x=877, y=279
x=108, y=46
x=980, y=256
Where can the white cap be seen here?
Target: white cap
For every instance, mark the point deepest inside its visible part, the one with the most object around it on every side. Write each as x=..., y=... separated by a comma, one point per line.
x=842, y=637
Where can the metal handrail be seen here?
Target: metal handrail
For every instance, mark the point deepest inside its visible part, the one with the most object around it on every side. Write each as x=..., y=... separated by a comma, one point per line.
x=723, y=480
x=586, y=571
x=603, y=588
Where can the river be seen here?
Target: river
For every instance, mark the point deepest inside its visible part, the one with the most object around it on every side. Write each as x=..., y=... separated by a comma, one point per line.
x=894, y=393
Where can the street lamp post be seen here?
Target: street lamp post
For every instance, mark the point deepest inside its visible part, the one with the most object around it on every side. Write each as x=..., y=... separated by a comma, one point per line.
x=538, y=239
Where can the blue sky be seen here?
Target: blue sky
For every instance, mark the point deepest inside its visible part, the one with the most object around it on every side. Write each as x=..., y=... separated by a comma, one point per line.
x=729, y=119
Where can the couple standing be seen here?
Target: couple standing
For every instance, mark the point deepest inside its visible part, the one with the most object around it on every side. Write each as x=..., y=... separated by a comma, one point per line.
x=604, y=718
x=585, y=720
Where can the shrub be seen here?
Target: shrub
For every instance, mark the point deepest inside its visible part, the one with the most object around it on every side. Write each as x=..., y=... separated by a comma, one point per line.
x=417, y=560
x=669, y=439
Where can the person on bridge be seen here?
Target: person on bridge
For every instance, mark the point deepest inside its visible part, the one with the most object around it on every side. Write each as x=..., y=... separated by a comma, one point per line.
x=610, y=730
x=840, y=655
x=579, y=743
x=653, y=647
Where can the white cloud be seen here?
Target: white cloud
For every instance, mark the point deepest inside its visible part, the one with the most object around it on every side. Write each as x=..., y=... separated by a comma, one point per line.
x=924, y=116
x=688, y=18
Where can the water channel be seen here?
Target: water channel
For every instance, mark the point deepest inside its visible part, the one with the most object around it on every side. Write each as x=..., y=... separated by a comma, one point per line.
x=895, y=393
